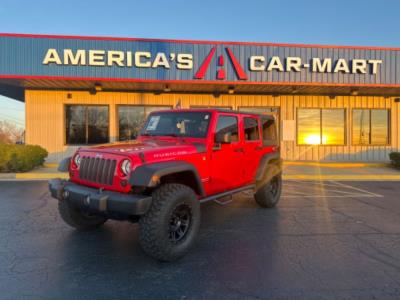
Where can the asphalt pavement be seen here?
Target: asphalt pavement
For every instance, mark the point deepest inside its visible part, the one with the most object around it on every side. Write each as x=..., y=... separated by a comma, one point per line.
x=325, y=240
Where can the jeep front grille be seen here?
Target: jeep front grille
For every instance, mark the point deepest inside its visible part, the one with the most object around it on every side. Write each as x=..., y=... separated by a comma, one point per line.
x=97, y=170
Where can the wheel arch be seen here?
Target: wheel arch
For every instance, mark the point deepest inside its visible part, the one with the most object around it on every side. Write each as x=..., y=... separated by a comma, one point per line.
x=269, y=162
x=150, y=175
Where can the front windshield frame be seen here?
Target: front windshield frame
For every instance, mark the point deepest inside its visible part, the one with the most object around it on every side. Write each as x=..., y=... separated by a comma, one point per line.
x=206, y=118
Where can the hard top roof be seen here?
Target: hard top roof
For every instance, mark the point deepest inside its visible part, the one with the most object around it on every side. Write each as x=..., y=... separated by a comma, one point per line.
x=220, y=110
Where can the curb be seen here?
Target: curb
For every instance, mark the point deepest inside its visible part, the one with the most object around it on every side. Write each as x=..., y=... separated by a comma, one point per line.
x=50, y=165
x=32, y=176
x=343, y=177
x=336, y=164
x=7, y=176
x=41, y=176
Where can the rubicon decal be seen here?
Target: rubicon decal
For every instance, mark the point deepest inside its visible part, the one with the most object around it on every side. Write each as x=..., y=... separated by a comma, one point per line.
x=184, y=62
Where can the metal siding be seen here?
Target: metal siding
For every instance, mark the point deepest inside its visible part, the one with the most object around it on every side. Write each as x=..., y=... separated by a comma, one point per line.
x=23, y=56
x=45, y=118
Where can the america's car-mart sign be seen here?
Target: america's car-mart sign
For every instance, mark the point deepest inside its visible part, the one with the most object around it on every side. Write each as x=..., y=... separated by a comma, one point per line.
x=92, y=58
x=184, y=61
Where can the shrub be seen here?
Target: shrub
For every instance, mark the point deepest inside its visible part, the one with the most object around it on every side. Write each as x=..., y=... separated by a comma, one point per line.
x=395, y=158
x=21, y=158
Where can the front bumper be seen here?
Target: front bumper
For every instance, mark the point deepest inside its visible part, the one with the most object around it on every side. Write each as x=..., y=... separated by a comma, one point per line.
x=99, y=201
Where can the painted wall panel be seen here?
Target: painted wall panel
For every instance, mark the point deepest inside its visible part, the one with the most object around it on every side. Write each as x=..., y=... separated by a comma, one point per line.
x=45, y=119
x=23, y=56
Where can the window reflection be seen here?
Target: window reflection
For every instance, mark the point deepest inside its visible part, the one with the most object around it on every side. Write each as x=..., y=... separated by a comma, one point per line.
x=379, y=127
x=333, y=127
x=370, y=127
x=87, y=124
x=308, y=127
x=131, y=119
x=320, y=126
x=361, y=126
x=97, y=120
x=75, y=116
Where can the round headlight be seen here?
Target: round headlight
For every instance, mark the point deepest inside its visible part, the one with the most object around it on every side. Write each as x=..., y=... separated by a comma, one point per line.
x=77, y=160
x=126, y=166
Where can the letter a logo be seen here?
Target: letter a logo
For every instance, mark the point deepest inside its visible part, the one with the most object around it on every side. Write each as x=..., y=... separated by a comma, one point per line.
x=201, y=72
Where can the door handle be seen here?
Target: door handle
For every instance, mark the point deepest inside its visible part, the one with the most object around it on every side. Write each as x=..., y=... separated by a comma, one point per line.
x=238, y=150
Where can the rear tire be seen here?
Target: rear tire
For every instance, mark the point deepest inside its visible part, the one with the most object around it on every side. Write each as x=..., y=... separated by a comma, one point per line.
x=269, y=194
x=168, y=230
x=78, y=219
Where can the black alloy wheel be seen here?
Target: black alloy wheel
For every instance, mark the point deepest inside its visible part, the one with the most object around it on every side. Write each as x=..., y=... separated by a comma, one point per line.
x=274, y=186
x=180, y=222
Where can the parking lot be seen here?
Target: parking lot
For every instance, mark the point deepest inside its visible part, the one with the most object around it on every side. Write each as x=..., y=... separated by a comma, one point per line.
x=325, y=240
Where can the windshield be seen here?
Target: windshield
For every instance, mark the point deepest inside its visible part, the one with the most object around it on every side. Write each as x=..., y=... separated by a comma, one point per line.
x=183, y=124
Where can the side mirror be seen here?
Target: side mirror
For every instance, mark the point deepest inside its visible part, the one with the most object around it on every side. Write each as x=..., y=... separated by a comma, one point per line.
x=223, y=138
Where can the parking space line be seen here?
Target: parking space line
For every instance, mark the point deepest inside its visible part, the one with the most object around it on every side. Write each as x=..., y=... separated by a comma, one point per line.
x=330, y=196
x=330, y=189
x=357, y=189
x=322, y=187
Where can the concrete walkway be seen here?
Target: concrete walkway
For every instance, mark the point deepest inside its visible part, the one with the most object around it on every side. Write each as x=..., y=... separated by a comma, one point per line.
x=48, y=171
x=291, y=171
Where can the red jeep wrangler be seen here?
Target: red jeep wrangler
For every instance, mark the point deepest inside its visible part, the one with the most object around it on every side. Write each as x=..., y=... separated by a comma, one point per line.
x=180, y=159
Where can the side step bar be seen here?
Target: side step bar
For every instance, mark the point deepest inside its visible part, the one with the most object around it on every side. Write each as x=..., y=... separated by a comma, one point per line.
x=227, y=193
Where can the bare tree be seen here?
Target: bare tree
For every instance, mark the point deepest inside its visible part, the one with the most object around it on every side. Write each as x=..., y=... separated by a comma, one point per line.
x=10, y=134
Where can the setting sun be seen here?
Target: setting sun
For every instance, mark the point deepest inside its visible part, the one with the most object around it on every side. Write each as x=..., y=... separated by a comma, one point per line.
x=313, y=139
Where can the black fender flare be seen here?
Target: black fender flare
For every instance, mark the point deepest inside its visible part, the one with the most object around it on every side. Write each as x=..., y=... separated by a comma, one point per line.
x=63, y=166
x=144, y=175
x=267, y=160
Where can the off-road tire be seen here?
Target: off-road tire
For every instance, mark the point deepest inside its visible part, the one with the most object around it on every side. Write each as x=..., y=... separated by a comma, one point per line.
x=155, y=225
x=77, y=219
x=269, y=193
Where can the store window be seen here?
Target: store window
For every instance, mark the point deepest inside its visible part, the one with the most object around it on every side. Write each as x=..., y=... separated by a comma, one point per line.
x=251, y=130
x=370, y=127
x=87, y=124
x=317, y=126
x=228, y=124
x=131, y=119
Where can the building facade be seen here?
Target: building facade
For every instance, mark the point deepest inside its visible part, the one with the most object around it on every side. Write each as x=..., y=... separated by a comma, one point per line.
x=332, y=103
